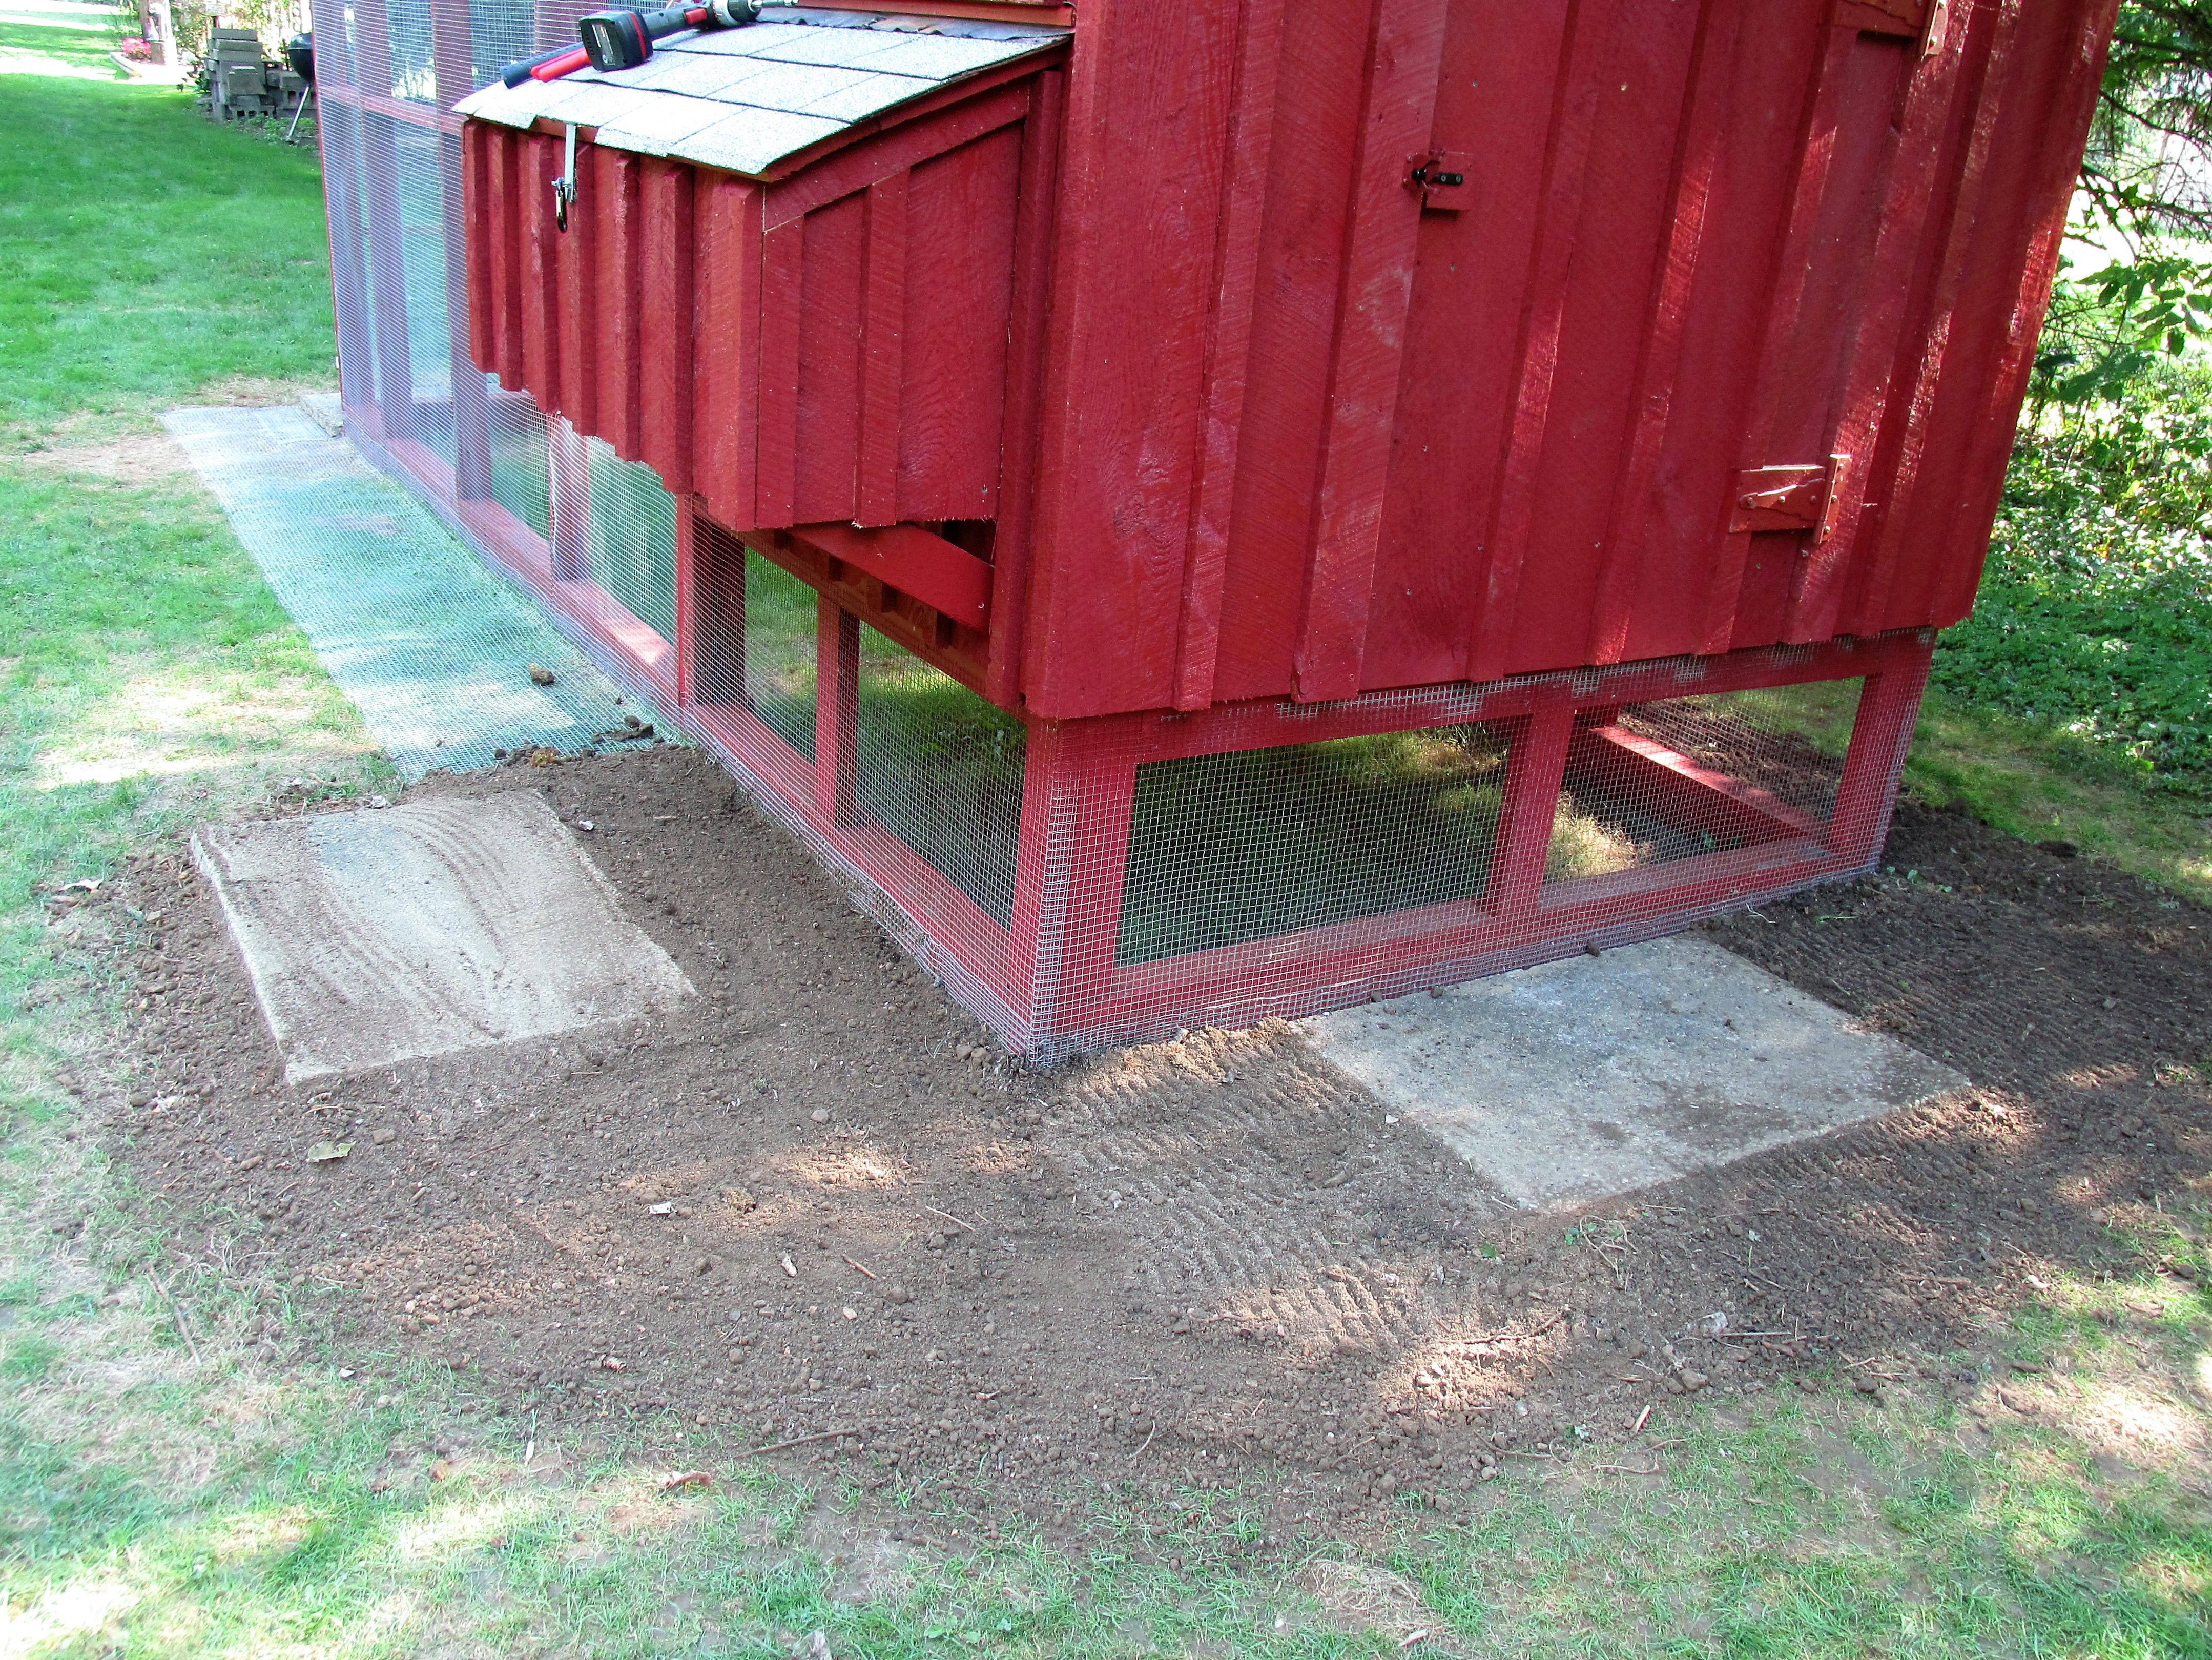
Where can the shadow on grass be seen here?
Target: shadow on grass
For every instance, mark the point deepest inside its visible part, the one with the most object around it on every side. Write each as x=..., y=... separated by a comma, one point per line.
x=1829, y=1527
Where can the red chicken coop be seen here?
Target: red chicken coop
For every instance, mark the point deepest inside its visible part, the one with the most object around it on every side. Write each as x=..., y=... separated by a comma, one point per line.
x=1202, y=512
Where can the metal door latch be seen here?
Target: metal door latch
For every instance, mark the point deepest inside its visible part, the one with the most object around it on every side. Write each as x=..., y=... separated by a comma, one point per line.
x=1440, y=181
x=564, y=187
x=1799, y=498
x=1927, y=21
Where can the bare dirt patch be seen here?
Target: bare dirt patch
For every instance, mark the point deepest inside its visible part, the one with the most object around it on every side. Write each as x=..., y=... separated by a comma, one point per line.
x=255, y=391
x=139, y=460
x=815, y=1210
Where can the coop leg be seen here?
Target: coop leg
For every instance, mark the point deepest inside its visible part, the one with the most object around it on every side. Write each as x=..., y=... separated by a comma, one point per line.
x=1889, y=704
x=348, y=273
x=837, y=711
x=1077, y=797
x=687, y=625
x=569, y=461
x=388, y=289
x=1535, y=765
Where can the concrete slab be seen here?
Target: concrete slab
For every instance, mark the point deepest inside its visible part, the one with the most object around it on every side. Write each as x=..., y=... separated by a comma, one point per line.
x=325, y=410
x=1593, y=1076
x=382, y=935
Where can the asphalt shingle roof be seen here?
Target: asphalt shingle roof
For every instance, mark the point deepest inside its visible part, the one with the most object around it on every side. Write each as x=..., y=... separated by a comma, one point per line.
x=746, y=99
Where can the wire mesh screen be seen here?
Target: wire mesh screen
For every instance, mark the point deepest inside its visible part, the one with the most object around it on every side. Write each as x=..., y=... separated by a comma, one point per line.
x=521, y=474
x=752, y=636
x=1675, y=777
x=414, y=48
x=500, y=32
x=941, y=769
x=1226, y=848
x=389, y=305
x=779, y=667
x=338, y=130
x=631, y=541
x=419, y=168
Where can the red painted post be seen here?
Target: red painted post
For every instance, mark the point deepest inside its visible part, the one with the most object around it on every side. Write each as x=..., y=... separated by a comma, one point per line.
x=338, y=140
x=836, y=713
x=1077, y=795
x=687, y=627
x=395, y=379
x=1889, y=702
x=1535, y=762
x=451, y=44
x=569, y=474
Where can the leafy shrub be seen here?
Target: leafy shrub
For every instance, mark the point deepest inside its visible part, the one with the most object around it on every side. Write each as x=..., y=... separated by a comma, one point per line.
x=2095, y=612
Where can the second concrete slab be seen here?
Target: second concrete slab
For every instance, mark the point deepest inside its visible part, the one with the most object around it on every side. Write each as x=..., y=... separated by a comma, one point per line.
x=1593, y=1076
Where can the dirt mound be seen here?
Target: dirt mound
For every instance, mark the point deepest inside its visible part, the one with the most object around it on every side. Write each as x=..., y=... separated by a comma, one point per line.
x=815, y=1211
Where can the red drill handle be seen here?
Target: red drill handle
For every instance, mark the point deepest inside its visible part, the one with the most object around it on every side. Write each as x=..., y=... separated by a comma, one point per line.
x=624, y=37
x=566, y=64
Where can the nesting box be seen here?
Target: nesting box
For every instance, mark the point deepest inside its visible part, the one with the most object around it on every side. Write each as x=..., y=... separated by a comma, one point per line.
x=1216, y=511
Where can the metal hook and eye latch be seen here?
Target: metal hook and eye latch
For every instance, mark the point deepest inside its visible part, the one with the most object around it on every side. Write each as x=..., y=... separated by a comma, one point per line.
x=564, y=187
x=1439, y=179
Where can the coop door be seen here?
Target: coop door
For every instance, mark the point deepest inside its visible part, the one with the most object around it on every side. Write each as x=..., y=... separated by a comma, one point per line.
x=1853, y=237
x=1666, y=256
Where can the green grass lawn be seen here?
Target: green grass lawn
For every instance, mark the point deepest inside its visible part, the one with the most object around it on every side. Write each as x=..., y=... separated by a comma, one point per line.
x=167, y=1489
x=148, y=258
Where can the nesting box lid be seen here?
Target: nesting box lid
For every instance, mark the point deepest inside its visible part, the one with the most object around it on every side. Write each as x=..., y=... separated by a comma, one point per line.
x=746, y=99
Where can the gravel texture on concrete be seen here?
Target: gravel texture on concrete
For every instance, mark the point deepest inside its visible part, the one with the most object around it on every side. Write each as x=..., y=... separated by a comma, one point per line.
x=377, y=936
x=1598, y=1075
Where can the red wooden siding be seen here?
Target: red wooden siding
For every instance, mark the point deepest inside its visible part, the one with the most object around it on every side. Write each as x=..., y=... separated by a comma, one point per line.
x=1309, y=438
x=1232, y=411
x=828, y=348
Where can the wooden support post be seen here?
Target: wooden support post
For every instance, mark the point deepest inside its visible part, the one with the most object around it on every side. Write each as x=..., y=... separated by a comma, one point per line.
x=1888, y=705
x=569, y=468
x=386, y=265
x=837, y=711
x=1535, y=766
x=1077, y=795
x=711, y=611
x=338, y=135
x=687, y=624
x=452, y=51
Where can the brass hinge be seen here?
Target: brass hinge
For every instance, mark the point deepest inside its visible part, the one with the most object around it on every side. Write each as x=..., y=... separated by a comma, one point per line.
x=1789, y=498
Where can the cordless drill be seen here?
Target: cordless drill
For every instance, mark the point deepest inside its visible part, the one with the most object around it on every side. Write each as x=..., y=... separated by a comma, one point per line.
x=622, y=38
